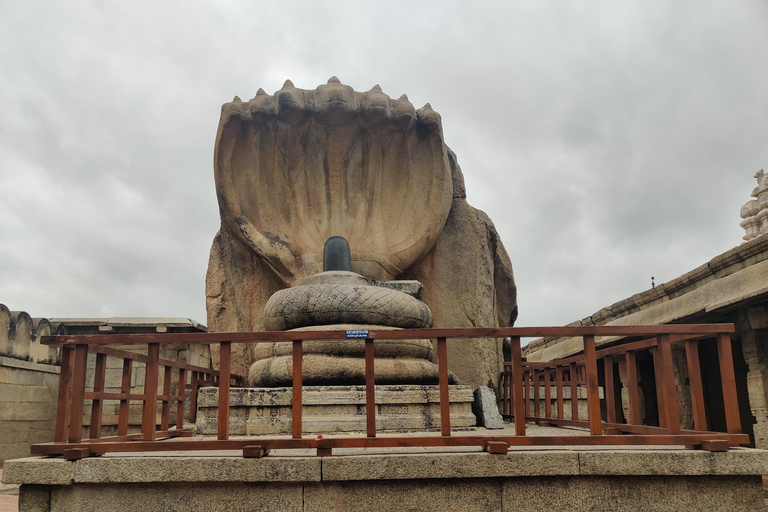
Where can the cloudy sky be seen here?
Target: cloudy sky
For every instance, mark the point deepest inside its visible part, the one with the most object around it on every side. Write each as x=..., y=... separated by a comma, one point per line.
x=608, y=141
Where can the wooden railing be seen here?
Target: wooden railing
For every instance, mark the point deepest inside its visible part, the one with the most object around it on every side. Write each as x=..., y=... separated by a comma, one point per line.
x=158, y=436
x=579, y=373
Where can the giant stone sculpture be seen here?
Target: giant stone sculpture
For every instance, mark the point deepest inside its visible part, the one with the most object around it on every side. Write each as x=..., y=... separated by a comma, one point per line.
x=298, y=167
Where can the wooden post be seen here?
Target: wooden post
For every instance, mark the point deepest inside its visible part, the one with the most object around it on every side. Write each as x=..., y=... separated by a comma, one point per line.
x=573, y=375
x=662, y=410
x=149, y=416
x=182, y=399
x=593, y=388
x=697, y=387
x=527, y=380
x=97, y=404
x=667, y=384
x=518, y=387
x=547, y=393
x=536, y=405
x=632, y=386
x=78, y=394
x=193, y=387
x=728, y=379
x=610, y=392
x=370, y=390
x=559, y=388
x=297, y=403
x=125, y=390
x=65, y=391
x=225, y=363
x=165, y=410
x=442, y=374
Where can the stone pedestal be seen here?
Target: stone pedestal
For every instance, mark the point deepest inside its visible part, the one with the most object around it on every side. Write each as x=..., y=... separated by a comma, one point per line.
x=255, y=411
x=521, y=480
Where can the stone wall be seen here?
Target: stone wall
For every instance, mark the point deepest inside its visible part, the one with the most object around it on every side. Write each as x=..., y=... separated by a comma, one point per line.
x=29, y=373
x=29, y=379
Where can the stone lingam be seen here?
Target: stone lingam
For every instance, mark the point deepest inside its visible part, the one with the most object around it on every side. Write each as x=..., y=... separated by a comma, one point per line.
x=298, y=167
x=339, y=299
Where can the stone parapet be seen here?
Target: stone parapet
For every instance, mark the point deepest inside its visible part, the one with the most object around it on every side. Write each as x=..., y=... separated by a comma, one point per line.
x=530, y=479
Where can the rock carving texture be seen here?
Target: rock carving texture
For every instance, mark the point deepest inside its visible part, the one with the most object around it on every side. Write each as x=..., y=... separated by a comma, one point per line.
x=324, y=304
x=299, y=166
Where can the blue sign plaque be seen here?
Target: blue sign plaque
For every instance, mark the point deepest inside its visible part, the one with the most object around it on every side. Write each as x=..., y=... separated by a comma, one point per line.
x=358, y=333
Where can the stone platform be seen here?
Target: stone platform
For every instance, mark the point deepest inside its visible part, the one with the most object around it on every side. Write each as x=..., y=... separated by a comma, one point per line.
x=579, y=478
x=256, y=411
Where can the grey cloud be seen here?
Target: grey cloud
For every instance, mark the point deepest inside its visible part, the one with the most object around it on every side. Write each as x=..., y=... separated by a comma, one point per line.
x=608, y=141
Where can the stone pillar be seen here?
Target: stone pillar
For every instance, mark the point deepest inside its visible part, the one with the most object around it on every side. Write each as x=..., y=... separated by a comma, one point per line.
x=685, y=407
x=755, y=345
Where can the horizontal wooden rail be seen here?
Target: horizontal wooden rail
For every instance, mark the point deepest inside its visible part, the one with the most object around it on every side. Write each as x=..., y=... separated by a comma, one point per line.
x=379, y=334
x=529, y=391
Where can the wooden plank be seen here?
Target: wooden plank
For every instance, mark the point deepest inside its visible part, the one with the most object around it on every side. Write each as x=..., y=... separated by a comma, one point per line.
x=697, y=387
x=667, y=384
x=78, y=394
x=559, y=389
x=193, y=388
x=97, y=404
x=536, y=404
x=573, y=376
x=728, y=379
x=610, y=391
x=125, y=389
x=442, y=375
x=65, y=391
x=76, y=453
x=527, y=380
x=500, y=332
x=255, y=451
x=141, y=358
x=547, y=393
x=498, y=447
x=370, y=389
x=165, y=409
x=715, y=445
x=182, y=398
x=633, y=388
x=297, y=378
x=149, y=415
x=225, y=362
x=593, y=389
x=660, y=407
x=389, y=442
x=517, y=387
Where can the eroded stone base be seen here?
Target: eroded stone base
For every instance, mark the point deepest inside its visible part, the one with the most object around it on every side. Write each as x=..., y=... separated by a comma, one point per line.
x=254, y=411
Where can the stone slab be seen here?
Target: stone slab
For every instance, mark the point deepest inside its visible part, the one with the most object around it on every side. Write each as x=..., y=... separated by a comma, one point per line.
x=223, y=497
x=737, y=461
x=196, y=469
x=624, y=493
x=37, y=471
x=421, y=495
x=450, y=465
x=257, y=411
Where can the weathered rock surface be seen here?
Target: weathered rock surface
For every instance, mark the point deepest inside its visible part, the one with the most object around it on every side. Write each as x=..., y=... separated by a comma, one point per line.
x=486, y=409
x=323, y=304
x=342, y=362
x=298, y=167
